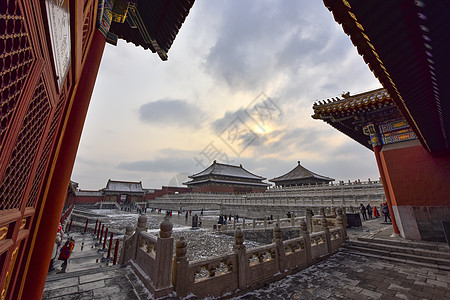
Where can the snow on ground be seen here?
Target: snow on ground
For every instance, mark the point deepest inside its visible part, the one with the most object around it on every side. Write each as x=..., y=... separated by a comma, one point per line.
x=201, y=242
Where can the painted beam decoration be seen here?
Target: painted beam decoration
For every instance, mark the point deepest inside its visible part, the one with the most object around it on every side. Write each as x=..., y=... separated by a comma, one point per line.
x=369, y=118
x=396, y=131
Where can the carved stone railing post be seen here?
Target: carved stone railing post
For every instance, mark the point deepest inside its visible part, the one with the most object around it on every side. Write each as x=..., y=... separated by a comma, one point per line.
x=344, y=216
x=128, y=246
x=265, y=223
x=327, y=235
x=141, y=226
x=308, y=215
x=333, y=211
x=305, y=234
x=341, y=226
x=281, y=256
x=322, y=212
x=242, y=264
x=243, y=223
x=180, y=269
x=254, y=223
x=164, y=253
x=340, y=223
x=292, y=220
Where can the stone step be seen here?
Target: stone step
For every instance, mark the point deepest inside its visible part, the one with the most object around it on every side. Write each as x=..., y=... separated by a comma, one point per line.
x=434, y=262
x=394, y=259
x=404, y=248
x=441, y=247
x=59, y=276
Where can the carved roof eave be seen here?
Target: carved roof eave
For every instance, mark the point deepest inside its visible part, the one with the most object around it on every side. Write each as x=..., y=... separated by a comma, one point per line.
x=340, y=108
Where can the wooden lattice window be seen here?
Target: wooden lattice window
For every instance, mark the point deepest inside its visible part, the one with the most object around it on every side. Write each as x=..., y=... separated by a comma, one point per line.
x=24, y=153
x=15, y=61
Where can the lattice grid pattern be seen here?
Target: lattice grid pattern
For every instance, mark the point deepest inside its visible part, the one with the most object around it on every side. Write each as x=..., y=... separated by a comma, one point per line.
x=15, y=61
x=86, y=28
x=45, y=154
x=23, y=155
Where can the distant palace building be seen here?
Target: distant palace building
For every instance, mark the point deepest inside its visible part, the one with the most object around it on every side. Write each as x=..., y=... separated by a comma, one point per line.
x=300, y=176
x=122, y=192
x=222, y=178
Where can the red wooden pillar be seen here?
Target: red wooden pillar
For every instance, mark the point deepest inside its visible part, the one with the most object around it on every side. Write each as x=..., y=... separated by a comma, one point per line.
x=110, y=244
x=96, y=224
x=56, y=190
x=105, y=238
x=101, y=234
x=70, y=224
x=85, y=227
x=377, y=150
x=116, y=251
x=98, y=231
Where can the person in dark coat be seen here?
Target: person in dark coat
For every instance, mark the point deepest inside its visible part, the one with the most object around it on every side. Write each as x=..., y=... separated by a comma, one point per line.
x=385, y=211
x=369, y=211
x=362, y=209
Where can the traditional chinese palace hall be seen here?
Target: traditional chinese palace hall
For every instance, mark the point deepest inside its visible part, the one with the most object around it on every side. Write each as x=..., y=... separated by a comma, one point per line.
x=300, y=176
x=224, y=178
x=50, y=52
x=407, y=123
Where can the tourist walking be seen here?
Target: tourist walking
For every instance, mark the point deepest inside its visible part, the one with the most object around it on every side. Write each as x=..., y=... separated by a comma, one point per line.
x=385, y=211
x=66, y=251
x=362, y=209
x=376, y=214
x=369, y=211
x=55, y=250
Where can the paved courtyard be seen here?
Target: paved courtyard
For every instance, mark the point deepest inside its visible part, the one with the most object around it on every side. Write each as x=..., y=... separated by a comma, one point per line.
x=342, y=276
x=347, y=276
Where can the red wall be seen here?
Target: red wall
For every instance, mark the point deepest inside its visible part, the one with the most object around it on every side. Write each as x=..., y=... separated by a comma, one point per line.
x=415, y=177
x=88, y=199
x=167, y=190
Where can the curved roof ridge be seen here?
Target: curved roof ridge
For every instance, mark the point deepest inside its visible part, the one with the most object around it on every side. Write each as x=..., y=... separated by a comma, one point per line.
x=227, y=170
x=300, y=172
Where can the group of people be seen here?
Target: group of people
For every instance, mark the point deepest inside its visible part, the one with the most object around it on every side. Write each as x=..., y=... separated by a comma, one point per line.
x=64, y=252
x=367, y=211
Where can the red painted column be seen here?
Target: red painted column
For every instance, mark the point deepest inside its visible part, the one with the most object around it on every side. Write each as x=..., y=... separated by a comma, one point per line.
x=85, y=227
x=96, y=224
x=101, y=234
x=106, y=237
x=98, y=231
x=377, y=150
x=56, y=191
x=110, y=244
x=116, y=251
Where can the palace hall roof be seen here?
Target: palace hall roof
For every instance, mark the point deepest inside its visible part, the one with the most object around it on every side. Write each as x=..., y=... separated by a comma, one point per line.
x=300, y=173
x=406, y=44
x=352, y=112
x=123, y=186
x=150, y=24
x=227, y=171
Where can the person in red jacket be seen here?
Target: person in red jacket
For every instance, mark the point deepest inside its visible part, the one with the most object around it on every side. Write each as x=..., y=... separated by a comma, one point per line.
x=66, y=251
x=376, y=214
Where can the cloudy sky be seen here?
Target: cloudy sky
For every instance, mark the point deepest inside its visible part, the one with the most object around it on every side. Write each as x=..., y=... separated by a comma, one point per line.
x=238, y=87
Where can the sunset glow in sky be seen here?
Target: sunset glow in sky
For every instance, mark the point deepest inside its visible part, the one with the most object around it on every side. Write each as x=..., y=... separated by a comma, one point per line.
x=238, y=87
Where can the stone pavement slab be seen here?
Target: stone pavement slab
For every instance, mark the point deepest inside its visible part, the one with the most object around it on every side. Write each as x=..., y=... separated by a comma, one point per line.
x=116, y=283
x=347, y=276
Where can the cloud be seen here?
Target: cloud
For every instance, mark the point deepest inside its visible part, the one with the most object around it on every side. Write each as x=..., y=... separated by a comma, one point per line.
x=168, y=112
x=258, y=41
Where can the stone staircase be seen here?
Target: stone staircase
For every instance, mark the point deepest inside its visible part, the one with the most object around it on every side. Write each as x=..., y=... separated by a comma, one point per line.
x=423, y=254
